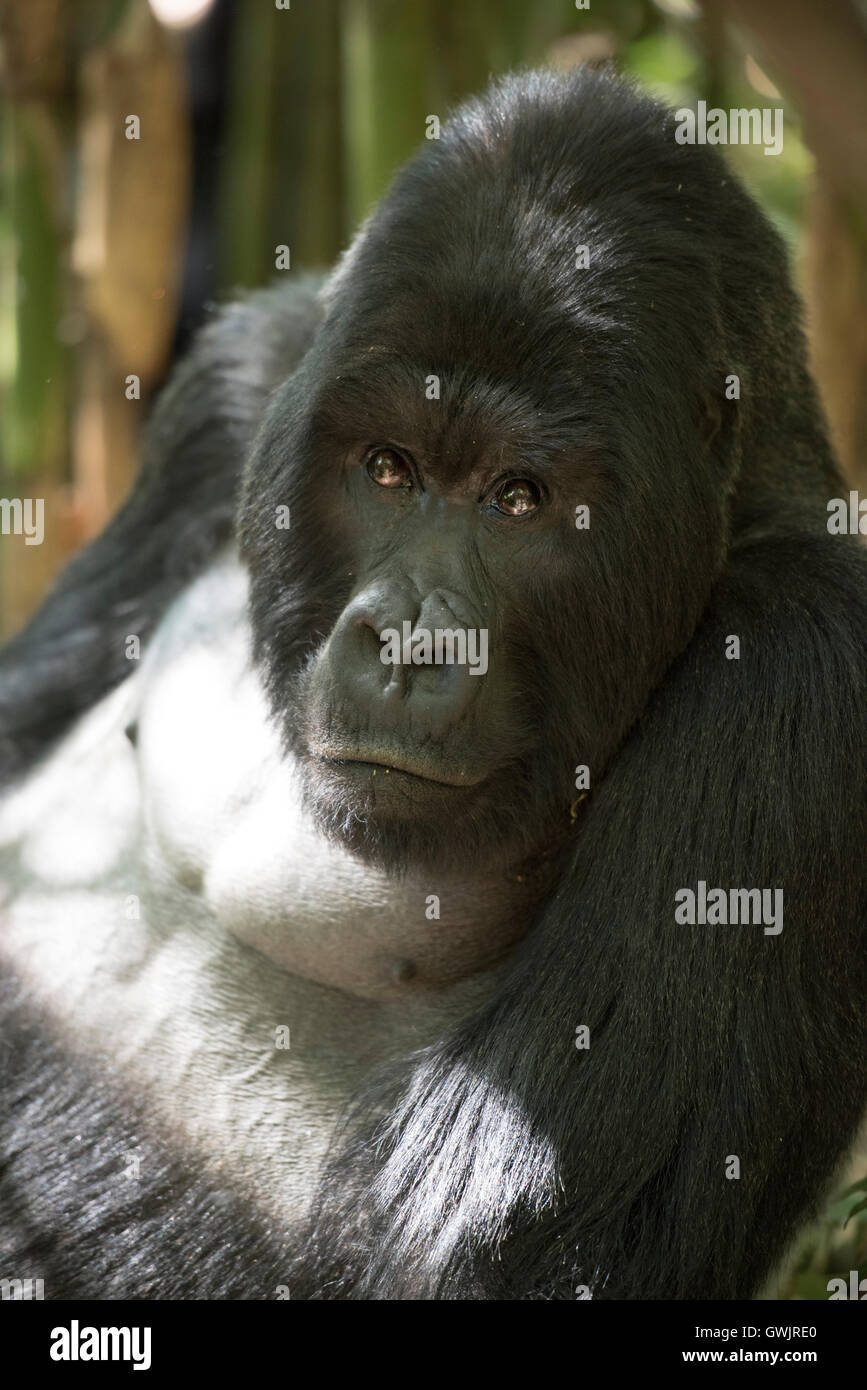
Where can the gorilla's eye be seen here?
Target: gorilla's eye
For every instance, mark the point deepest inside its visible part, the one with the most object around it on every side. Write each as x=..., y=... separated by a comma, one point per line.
x=516, y=496
x=388, y=468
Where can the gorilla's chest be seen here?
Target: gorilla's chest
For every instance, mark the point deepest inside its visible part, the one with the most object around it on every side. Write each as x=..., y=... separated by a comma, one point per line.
x=169, y=911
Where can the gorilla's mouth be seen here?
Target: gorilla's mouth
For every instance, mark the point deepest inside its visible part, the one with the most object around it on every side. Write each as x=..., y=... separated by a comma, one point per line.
x=372, y=764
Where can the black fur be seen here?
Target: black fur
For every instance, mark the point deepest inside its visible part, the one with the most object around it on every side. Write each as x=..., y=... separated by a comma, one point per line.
x=502, y=1163
x=74, y=1211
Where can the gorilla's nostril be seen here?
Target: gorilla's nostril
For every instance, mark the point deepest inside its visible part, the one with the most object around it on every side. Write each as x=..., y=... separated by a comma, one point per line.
x=368, y=638
x=358, y=658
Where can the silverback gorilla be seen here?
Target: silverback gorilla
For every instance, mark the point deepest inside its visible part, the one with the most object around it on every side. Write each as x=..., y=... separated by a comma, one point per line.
x=321, y=972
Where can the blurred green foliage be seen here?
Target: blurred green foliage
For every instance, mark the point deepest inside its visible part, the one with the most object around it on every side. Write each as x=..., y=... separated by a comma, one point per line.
x=834, y=1246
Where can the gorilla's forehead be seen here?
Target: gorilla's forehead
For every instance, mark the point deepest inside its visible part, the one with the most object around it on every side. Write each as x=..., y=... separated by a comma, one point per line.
x=482, y=328
x=452, y=408
x=521, y=340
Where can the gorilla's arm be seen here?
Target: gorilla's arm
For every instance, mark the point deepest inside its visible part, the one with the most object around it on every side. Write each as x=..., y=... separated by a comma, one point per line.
x=606, y=1167
x=179, y=513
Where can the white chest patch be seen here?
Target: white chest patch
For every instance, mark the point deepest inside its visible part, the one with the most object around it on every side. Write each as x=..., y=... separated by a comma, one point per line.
x=132, y=881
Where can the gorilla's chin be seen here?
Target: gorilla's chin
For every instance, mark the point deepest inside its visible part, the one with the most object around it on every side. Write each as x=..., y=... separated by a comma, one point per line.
x=400, y=821
x=390, y=818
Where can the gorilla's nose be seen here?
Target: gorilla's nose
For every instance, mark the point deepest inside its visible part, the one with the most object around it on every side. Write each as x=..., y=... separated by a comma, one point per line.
x=405, y=658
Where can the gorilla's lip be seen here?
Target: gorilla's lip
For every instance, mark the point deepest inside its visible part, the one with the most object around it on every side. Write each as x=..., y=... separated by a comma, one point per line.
x=443, y=777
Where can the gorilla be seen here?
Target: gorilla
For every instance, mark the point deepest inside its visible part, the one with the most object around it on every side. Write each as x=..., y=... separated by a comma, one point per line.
x=397, y=790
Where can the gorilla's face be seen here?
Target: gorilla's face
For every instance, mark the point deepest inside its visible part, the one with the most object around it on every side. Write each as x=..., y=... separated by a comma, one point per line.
x=433, y=449
x=432, y=536
x=443, y=645
x=422, y=710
